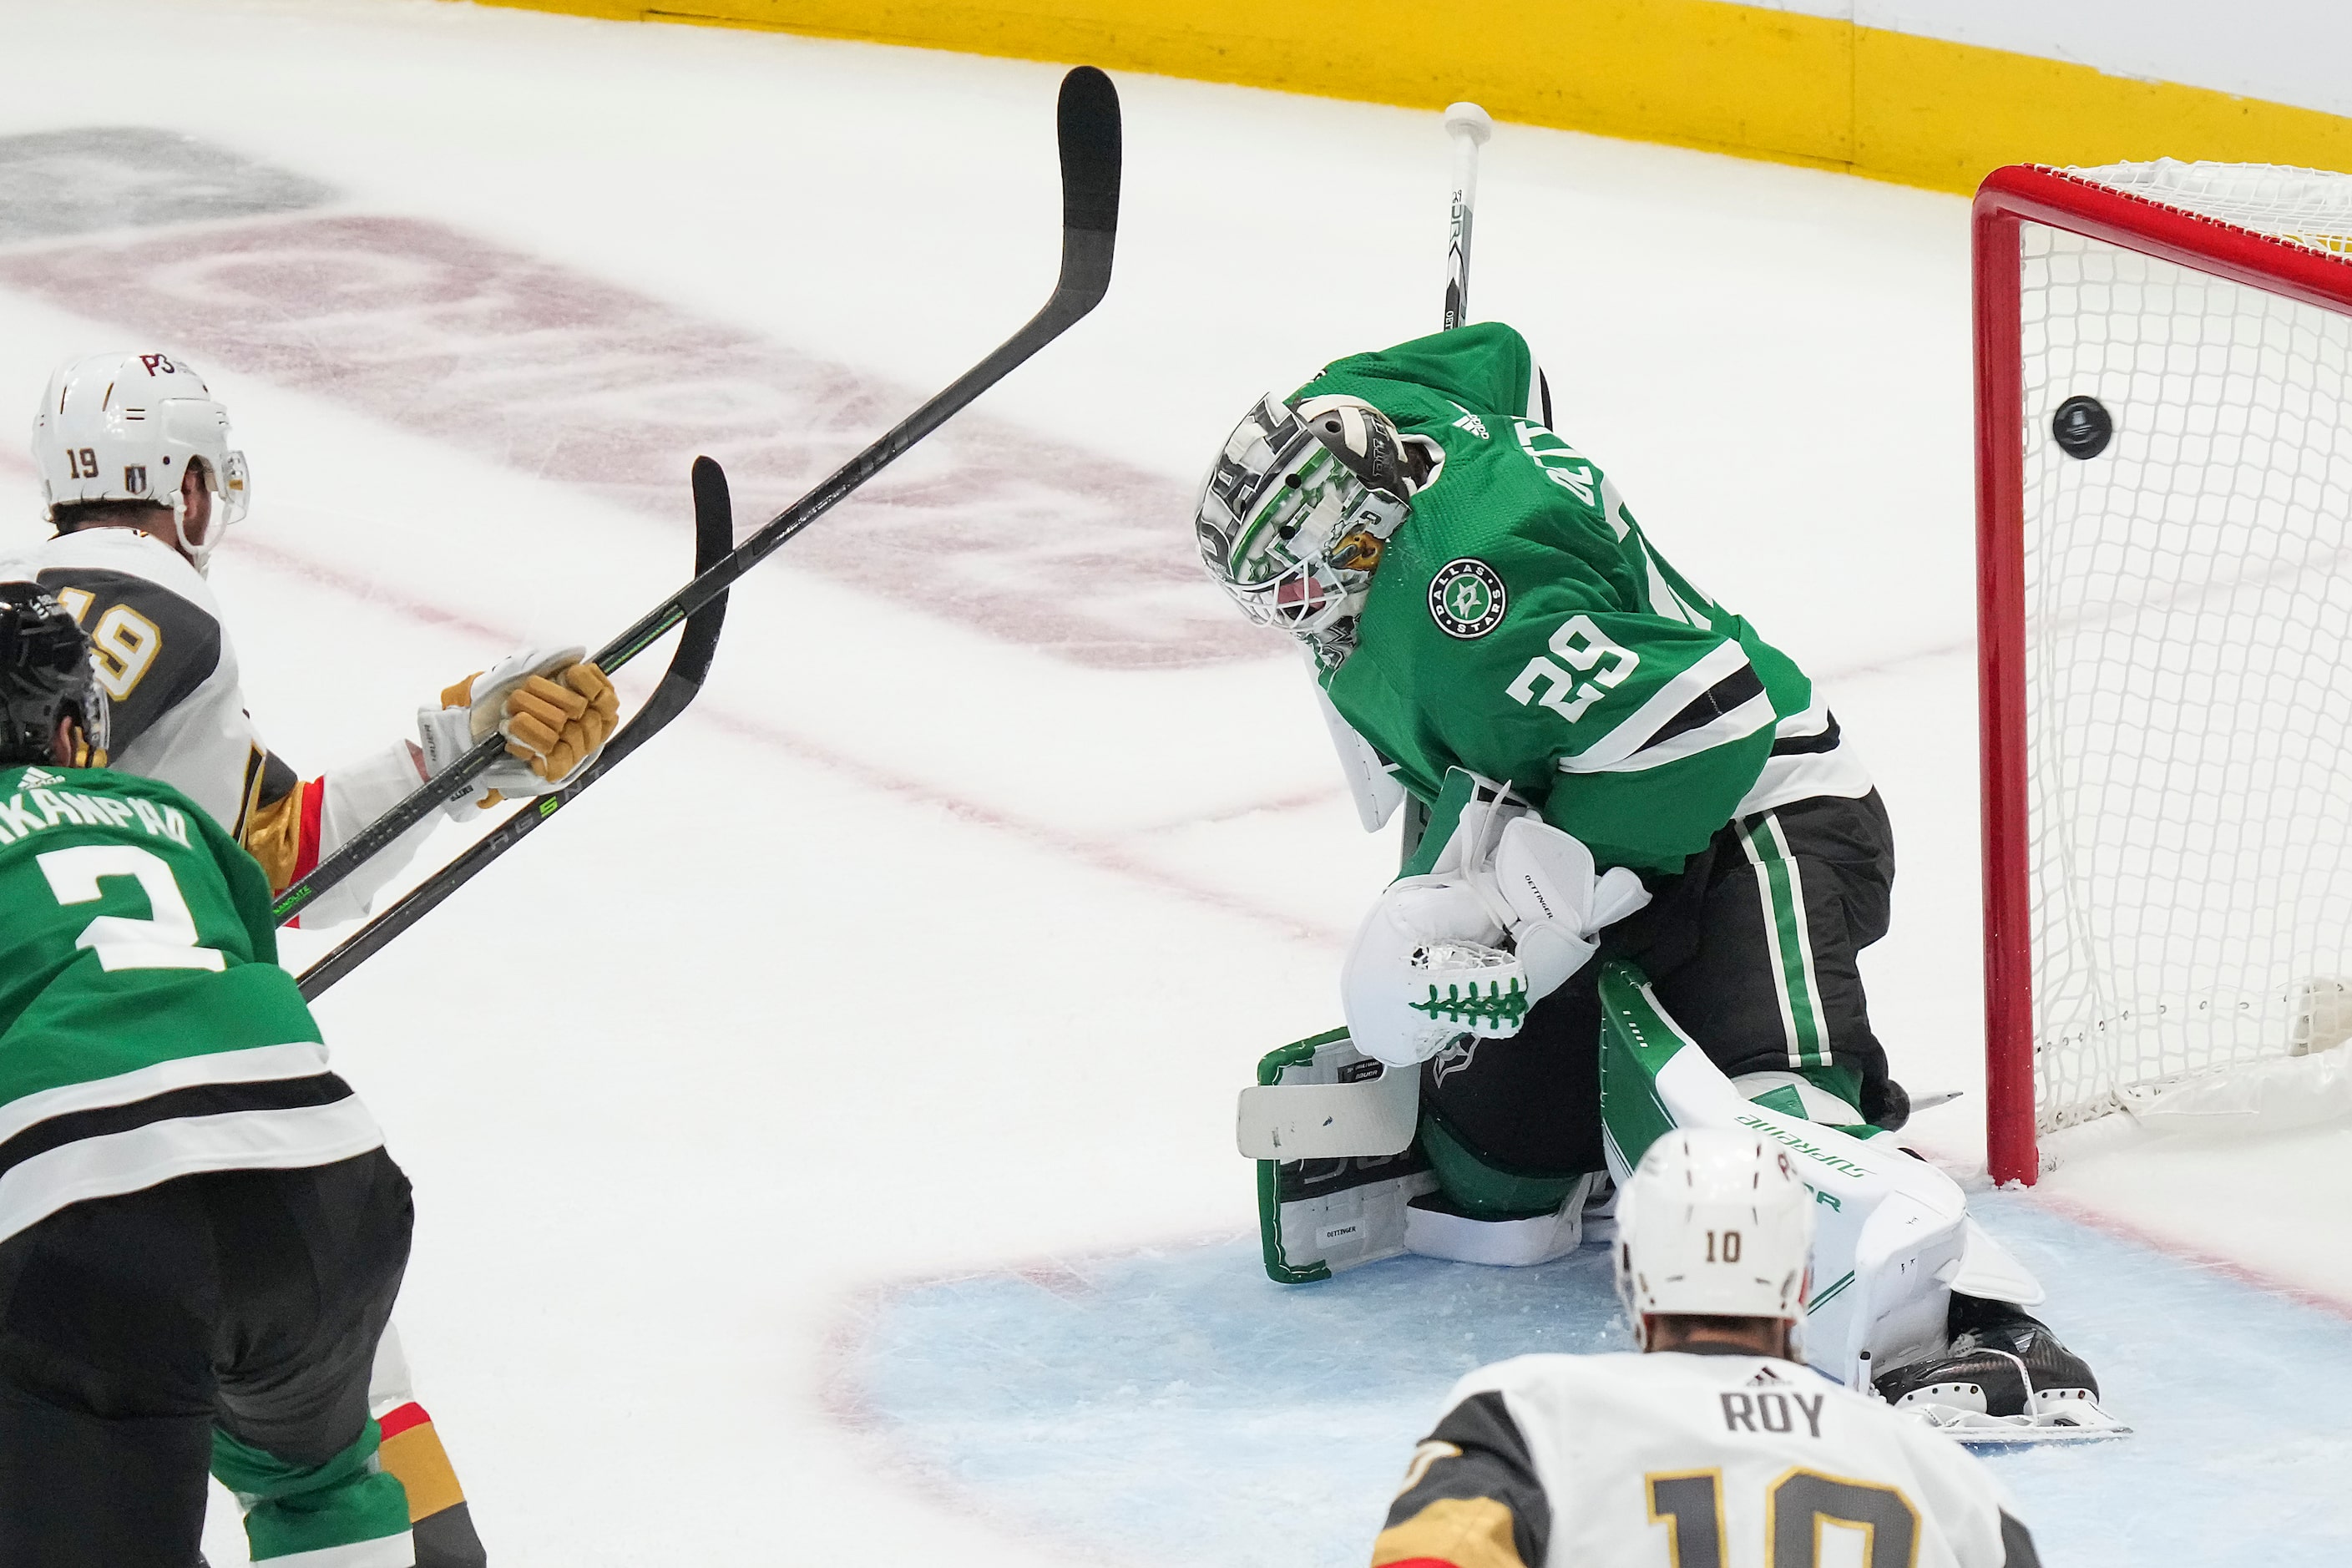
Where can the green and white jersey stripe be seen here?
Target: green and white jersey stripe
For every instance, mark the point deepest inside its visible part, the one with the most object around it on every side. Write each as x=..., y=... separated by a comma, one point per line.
x=146, y=1030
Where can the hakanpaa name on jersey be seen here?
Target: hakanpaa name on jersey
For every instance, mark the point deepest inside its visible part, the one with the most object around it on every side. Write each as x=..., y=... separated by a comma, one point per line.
x=146, y=1030
x=32, y=809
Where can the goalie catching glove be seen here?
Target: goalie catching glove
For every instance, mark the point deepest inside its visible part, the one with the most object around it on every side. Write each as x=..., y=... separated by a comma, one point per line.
x=555, y=709
x=1469, y=947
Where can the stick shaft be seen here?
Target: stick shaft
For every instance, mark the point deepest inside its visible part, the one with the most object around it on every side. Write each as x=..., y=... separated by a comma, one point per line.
x=1457, y=250
x=714, y=534
x=1089, y=134
x=1469, y=125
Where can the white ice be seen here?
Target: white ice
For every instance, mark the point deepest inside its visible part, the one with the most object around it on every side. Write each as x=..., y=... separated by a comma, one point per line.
x=912, y=953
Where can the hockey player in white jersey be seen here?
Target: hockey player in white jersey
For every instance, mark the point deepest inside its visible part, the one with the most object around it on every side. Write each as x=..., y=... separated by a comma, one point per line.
x=140, y=483
x=1713, y=1446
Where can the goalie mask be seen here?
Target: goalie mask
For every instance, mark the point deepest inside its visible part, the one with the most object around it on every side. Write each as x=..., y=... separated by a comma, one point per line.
x=1297, y=508
x=125, y=428
x=1714, y=1224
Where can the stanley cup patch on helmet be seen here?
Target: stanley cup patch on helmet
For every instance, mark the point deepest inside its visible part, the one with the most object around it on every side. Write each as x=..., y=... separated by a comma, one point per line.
x=1467, y=598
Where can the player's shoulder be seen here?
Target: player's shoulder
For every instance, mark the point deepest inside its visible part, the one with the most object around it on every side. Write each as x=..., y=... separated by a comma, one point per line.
x=1491, y=577
x=155, y=627
x=36, y=799
x=1485, y=368
x=126, y=555
x=160, y=597
x=1550, y=1375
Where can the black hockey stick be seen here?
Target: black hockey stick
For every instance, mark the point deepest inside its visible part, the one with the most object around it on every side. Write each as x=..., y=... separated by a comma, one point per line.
x=1088, y=127
x=714, y=531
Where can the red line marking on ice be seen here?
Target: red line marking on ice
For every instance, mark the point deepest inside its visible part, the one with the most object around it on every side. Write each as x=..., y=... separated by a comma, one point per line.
x=2092, y=1218
x=521, y=361
x=842, y=1398
x=1094, y=853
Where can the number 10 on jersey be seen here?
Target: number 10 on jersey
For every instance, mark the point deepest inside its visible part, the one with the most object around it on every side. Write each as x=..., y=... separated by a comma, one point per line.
x=1797, y=1508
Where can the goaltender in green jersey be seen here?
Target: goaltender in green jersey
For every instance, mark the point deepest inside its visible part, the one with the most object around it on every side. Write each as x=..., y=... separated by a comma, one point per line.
x=201, y=1235
x=1624, y=779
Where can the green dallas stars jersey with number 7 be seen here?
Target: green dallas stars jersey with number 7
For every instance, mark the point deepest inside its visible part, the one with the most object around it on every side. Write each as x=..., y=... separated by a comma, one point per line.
x=146, y=1031
x=1521, y=626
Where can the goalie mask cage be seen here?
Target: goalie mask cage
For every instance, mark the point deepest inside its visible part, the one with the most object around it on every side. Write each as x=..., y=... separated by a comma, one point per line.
x=2164, y=477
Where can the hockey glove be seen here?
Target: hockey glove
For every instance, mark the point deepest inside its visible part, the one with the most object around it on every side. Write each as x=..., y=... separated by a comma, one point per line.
x=1558, y=905
x=554, y=711
x=1425, y=970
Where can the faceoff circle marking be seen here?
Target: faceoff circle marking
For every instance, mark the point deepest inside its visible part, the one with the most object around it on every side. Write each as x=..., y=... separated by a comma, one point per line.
x=1467, y=598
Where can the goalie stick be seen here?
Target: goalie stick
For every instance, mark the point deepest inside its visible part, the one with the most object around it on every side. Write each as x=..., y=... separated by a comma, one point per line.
x=1373, y=1116
x=714, y=531
x=1469, y=125
x=1088, y=130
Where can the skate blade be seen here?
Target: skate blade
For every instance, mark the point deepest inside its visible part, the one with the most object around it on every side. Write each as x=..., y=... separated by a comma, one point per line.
x=2081, y=1422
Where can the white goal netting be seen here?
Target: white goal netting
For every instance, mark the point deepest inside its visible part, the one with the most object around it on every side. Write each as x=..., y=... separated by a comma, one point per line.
x=2188, y=649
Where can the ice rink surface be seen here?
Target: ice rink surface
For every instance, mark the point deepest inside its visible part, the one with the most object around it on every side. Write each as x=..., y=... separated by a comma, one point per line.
x=935, y=940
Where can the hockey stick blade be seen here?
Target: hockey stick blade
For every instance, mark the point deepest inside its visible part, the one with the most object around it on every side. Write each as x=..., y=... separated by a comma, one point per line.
x=1088, y=127
x=689, y=662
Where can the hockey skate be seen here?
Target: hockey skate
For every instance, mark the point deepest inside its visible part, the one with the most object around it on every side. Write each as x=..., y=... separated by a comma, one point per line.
x=2005, y=1379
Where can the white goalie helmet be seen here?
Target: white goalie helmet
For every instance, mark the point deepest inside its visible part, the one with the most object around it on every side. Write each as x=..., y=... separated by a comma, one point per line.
x=1714, y=1223
x=126, y=427
x=1297, y=507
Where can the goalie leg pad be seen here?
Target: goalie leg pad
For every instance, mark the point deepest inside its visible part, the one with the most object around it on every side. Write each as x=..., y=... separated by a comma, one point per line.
x=1436, y=1227
x=1319, y=1216
x=1891, y=1227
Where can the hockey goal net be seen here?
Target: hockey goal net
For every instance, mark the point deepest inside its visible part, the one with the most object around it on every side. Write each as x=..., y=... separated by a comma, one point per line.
x=2163, y=432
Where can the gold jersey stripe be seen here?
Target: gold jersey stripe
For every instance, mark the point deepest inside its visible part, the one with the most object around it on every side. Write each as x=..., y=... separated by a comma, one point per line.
x=1469, y=1533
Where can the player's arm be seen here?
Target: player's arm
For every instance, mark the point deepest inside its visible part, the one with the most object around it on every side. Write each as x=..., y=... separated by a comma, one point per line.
x=2017, y=1543
x=1470, y=1496
x=1653, y=729
x=1486, y=365
x=555, y=709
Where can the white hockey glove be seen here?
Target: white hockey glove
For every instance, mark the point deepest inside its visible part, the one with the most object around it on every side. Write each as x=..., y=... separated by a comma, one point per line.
x=555, y=709
x=1508, y=913
x=1425, y=970
x=1557, y=905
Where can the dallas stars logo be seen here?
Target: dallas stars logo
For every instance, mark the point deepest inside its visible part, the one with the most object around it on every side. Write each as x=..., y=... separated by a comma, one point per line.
x=1467, y=598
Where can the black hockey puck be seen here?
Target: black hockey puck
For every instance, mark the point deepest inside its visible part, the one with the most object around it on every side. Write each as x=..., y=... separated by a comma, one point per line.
x=2083, y=428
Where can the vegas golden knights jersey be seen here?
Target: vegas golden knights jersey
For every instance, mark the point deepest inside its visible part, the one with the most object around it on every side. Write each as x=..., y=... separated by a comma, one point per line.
x=1694, y=1460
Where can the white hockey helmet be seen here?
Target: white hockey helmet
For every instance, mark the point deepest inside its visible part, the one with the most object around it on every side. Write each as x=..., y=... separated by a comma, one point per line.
x=126, y=427
x=1714, y=1223
x=1297, y=508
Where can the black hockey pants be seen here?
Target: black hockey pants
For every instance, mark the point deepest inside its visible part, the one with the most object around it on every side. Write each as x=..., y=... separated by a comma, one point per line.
x=1752, y=948
x=132, y=1327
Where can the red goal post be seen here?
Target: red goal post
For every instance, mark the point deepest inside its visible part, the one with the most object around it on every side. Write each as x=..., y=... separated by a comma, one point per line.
x=2164, y=229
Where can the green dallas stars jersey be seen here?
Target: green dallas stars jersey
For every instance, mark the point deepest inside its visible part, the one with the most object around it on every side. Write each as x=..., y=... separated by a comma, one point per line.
x=1521, y=626
x=146, y=1031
